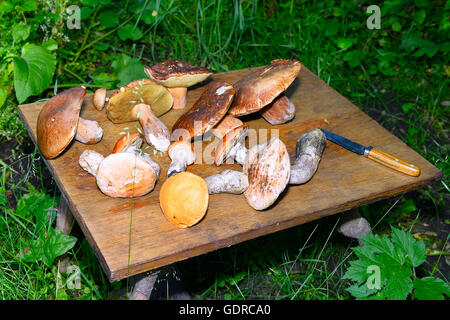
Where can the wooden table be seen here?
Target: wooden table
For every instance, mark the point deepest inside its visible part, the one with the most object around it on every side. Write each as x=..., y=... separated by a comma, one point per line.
x=343, y=180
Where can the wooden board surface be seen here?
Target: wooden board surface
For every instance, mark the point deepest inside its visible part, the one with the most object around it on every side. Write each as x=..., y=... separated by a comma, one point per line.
x=343, y=180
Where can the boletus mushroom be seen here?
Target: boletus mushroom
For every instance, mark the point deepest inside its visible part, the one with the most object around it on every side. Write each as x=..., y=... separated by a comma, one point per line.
x=227, y=181
x=258, y=89
x=225, y=125
x=309, y=150
x=145, y=101
x=268, y=171
x=279, y=111
x=177, y=76
x=184, y=199
x=128, y=173
x=181, y=154
x=59, y=122
x=207, y=111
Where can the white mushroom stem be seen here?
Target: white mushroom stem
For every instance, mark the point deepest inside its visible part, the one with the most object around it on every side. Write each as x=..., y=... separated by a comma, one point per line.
x=155, y=131
x=90, y=161
x=228, y=181
x=88, y=131
x=240, y=153
x=179, y=97
x=181, y=157
x=309, y=150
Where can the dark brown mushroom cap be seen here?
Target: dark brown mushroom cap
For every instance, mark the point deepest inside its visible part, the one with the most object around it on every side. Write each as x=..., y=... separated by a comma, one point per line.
x=120, y=106
x=57, y=121
x=176, y=73
x=231, y=139
x=261, y=87
x=212, y=106
x=268, y=173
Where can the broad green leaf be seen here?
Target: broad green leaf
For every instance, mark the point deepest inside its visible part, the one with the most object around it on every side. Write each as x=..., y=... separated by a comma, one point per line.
x=3, y=95
x=108, y=19
x=427, y=47
x=420, y=16
x=20, y=32
x=414, y=250
x=360, y=292
x=49, y=246
x=345, y=43
x=129, y=32
x=28, y=5
x=331, y=27
x=101, y=46
x=33, y=71
x=50, y=45
x=431, y=288
x=86, y=12
x=133, y=71
x=5, y=7
x=411, y=40
x=405, y=108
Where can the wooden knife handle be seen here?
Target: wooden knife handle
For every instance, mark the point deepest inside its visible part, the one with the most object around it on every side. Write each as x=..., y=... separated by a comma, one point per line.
x=393, y=162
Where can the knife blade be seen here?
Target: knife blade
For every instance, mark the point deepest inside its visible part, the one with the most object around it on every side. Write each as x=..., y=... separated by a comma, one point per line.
x=374, y=154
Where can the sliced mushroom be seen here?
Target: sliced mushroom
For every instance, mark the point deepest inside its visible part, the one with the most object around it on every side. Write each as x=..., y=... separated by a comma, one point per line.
x=58, y=122
x=177, y=76
x=279, y=111
x=143, y=100
x=232, y=145
x=309, y=150
x=227, y=181
x=99, y=98
x=261, y=87
x=268, y=172
x=207, y=111
x=126, y=141
x=184, y=199
x=129, y=173
x=182, y=154
x=225, y=125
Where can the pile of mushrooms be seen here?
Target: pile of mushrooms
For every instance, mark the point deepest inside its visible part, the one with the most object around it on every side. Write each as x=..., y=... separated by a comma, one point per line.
x=128, y=171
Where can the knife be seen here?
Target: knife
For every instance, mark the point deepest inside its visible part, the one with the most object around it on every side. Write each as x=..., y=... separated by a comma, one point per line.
x=374, y=154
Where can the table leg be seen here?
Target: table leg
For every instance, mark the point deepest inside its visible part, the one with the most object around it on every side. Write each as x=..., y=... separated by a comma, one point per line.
x=64, y=222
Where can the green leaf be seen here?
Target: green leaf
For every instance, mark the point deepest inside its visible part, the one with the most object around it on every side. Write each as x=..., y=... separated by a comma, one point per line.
x=420, y=16
x=49, y=246
x=101, y=46
x=108, y=19
x=5, y=7
x=50, y=45
x=20, y=32
x=33, y=71
x=86, y=12
x=331, y=27
x=411, y=40
x=129, y=32
x=345, y=43
x=430, y=288
x=3, y=95
x=405, y=108
x=397, y=26
x=28, y=5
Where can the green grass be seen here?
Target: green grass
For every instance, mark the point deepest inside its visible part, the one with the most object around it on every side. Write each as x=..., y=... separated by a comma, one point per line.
x=382, y=71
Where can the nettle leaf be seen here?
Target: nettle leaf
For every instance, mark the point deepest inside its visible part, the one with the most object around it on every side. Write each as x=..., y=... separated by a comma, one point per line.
x=129, y=32
x=33, y=71
x=431, y=288
x=393, y=258
x=50, y=245
x=414, y=250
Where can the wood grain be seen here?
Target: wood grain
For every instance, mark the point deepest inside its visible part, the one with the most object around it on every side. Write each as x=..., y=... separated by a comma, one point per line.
x=343, y=180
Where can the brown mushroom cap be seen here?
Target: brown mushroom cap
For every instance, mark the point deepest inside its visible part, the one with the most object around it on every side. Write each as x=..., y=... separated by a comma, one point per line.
x=184, y=199
x=126, y=174
x=175, y=73
x=120, y=106
x=207, y=111
x=225, y=125
x=279, y=111
x=125, y=141
x=261, y=87
x=99, y=98
x=58, y=120
x=268, y=173
x=231, y=139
